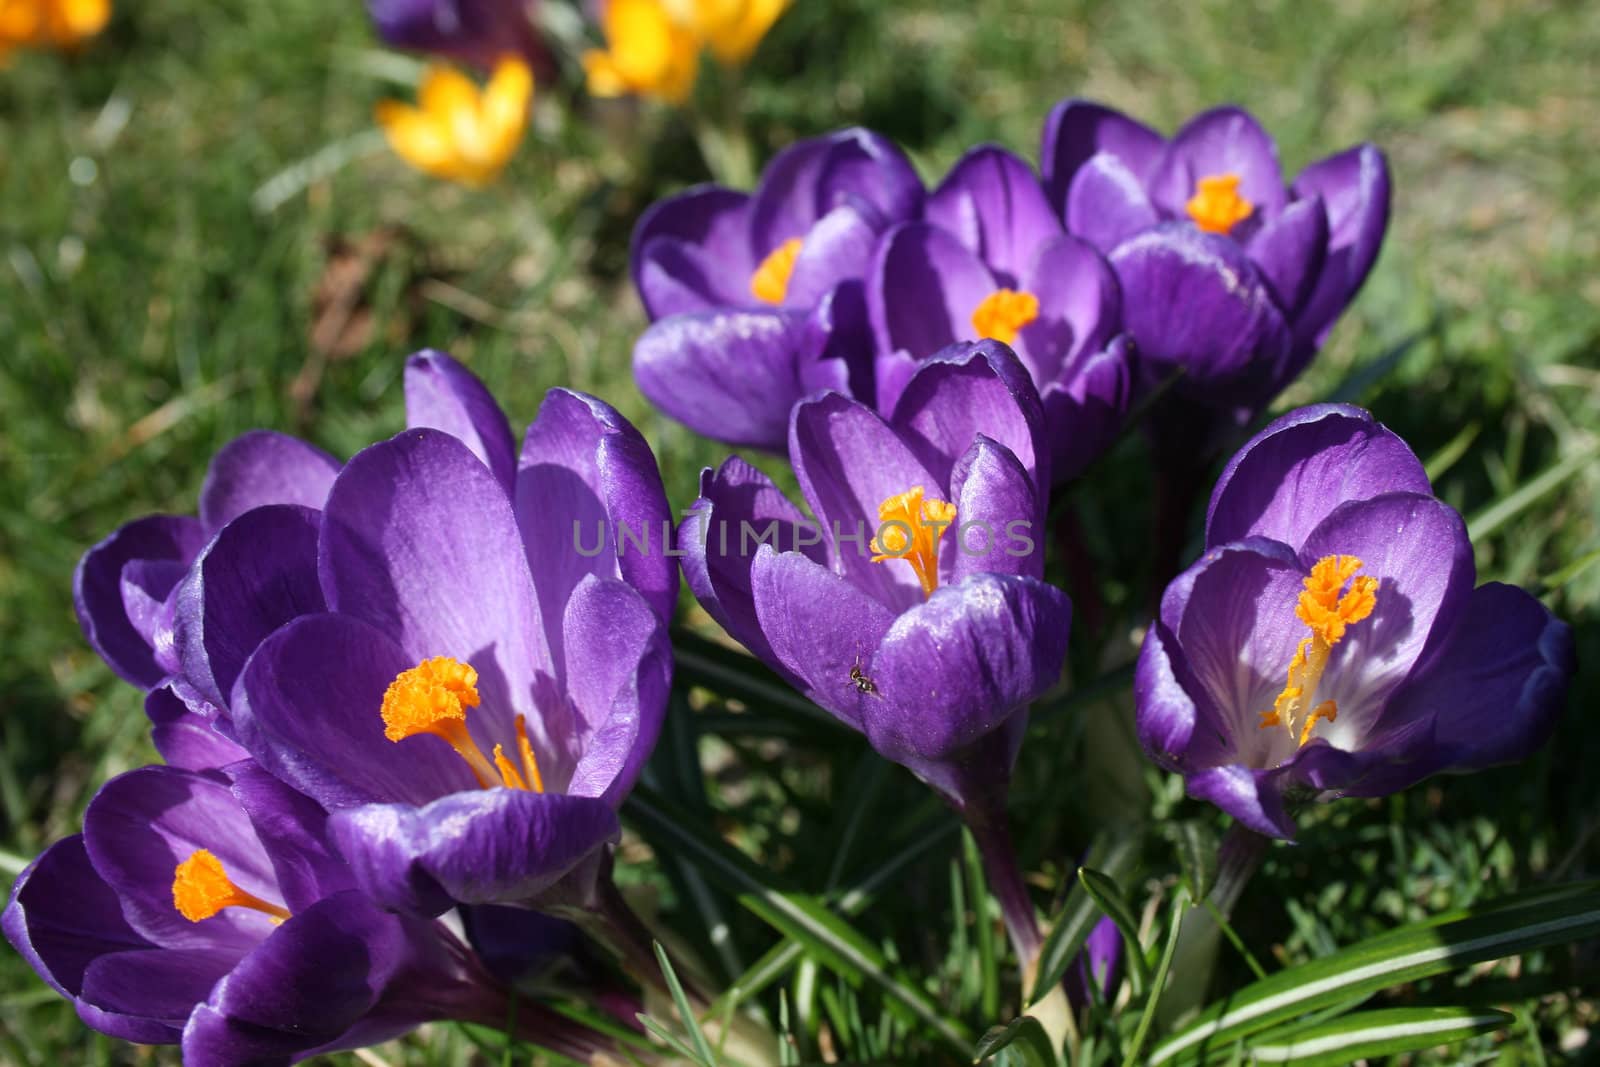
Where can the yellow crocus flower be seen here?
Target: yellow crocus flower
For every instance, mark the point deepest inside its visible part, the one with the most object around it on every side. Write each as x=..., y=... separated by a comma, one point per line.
x=50, y=23
x=733, y=28
x=456, y=131
x=648, y=53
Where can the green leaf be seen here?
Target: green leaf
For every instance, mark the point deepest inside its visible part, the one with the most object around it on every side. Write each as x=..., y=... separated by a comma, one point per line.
x=1148, y=1016
x=1026, y=1035
x=1529, y=493
x=691, y=1021
x=1372, y=1034
x=1108, y=895
x=834, y=942
x=1445, y=943
x=1078, y=916
x=1197, y=856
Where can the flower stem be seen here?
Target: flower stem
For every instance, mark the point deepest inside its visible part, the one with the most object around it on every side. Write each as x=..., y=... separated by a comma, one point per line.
x=611, y=921
x=1000, y=865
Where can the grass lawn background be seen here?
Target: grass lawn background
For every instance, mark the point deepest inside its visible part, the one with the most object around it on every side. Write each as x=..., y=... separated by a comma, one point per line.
x=150, y=311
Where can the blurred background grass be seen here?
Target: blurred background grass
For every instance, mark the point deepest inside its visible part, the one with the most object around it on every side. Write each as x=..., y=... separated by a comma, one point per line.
x=150, y=310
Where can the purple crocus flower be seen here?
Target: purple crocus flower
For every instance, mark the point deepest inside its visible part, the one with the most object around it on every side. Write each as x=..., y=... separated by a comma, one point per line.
x=1330, y=641
x=483, y=681
x=991, y=260
x=480, y=32
x=1226, y=272
x=932, y=643
x=209, y=910
x=756, y=298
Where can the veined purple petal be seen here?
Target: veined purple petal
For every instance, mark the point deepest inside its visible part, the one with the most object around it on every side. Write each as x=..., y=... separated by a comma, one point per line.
x=1303, y=465
x=959, y=665
x=483, y=846
x=822, y=629
x=97, y=589
x=441, y=394
x=184, y=738
x=993, y=203
x=293, y=829
x=1355, y=188
x=691, y=252
x=1077, y=130
x=838, y=249
x=1084, y=413
x=1224, y=140
x=1290, y=250
x=731, y=375
x=923, y=287
x=810, y=178
x=998, y=516
x=263, y=467
x=1080, y=309
x=159, y=984
x=1106, y=203
x=1254, y=797
x=259, y=572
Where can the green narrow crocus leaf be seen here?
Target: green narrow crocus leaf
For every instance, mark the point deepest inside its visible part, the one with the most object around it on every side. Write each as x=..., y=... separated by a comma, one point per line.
x=1445, y=943
x=1078, y=915
x=1108, y=895
x=1025, y=1035
x=1197, y=856
x=1372, y=1034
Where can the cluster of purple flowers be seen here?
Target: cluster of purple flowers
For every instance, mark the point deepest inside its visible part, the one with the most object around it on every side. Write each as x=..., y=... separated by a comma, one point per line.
x=396, y=695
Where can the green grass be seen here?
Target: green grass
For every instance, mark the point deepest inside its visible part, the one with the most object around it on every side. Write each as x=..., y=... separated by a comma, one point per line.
x=148, y=313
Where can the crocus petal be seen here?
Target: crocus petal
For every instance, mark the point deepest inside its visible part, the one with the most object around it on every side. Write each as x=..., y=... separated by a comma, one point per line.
x=822, y=629
x=1194, y=300
x=1251, y=796
x=259, y=572
x=959, y=665
x=585, y=472
x=738, y=509
x=147, y=586
x=1106, y=203
x=419, y=540
x=484, y=846
x=1497, y=688
x=441, y=394
x=1290, y=250
x=1355, y=187
x=922, y=289
x=848, y=462
x=477, y=31
x=143, y=823
x=1417, y=548
x=1224, y=140
x=962, y=391
x=998, y=513
x=1080, y=309
x=185, y=739
x=1077, y=130
x=263, y=467
x=691, y=252
x=304, y=986
x=730, y=375
x=1084, y=414
x=838, y=249
x=992, y=201
x=619, y=668
x=810, y=178
x=1303, y=465
x=308, y=706
x=293, y=829
x=160, y=984
x=97, y=590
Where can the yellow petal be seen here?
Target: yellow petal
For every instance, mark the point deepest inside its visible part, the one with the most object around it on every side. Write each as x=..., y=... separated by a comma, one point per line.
x=417, y=137
x=85, y=17
x=734, y=39
x=603, y=76
x=508, y=96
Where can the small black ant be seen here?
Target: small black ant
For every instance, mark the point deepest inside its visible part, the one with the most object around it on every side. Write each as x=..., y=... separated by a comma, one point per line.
x=862, y=683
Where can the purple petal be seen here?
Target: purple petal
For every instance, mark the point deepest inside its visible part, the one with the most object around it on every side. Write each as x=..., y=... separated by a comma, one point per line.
x=308, y=707
x=1303, y=465
x=1224, y=140
x=477, y=31
x=586, y=472
x=259, y=572
x=441, y=394
x=998, y=516
x=1194, y=300
x=1418, y=550
x=1355, y=188
x=965, y=390
x=691, y=252
x=97, y=590
x=923, y=288
x=1106, y=203
x=1084, y=414
x=263, y=467
x=484, y=846
x=838, y=249
x=1080, y=310
x=1290, y=250
x=184, y=738
x=147, y=586
x=738, y=509
x=1253, y=797
x=419, y=540
x=848, y=462
x=730, y=375
x=303, y=987
x=619, y=669
x=1495, y=692
x=993, y=203
x=810, y=178
x=159, y=984
x=293, y=829
x=1077, y=130
x=822, y=629
x=957, y=667
x=144, y=823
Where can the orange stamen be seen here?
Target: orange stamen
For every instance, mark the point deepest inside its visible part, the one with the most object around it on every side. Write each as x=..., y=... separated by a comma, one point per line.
x=433, y=698
x=201, y=888
x=1003, y=313
x=1216, y=206
x=770, y=282
x=910, y=530
x=1328, y=611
